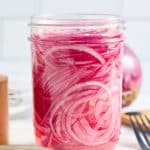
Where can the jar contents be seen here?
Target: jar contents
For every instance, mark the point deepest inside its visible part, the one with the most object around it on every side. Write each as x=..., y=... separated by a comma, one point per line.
x=77, y=77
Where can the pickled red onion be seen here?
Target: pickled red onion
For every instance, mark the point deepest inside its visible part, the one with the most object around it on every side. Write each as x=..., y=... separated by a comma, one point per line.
x=79, y=80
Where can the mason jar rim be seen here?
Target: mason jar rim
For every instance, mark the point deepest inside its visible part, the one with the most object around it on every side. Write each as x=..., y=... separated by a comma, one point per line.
x=76, y=19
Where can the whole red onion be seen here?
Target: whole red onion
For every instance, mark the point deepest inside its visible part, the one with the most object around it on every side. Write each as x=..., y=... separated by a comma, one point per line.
x=132, y=76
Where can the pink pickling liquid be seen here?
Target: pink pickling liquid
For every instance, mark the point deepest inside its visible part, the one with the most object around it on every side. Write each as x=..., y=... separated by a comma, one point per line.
x=77, y=88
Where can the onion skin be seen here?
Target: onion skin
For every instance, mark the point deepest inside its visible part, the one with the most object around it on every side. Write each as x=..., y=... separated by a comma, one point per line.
x=132, y=76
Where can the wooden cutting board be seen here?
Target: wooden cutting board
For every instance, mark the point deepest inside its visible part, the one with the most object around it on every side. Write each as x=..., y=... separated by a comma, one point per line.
x=126, y=121
x=17, y=147
x=3, y=110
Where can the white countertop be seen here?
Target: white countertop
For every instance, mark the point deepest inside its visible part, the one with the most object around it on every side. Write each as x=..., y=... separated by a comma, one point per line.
x=21, y=129
x=21, y=132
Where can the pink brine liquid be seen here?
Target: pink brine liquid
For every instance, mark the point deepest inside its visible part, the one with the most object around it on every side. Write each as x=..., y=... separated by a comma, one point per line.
x=77, y=77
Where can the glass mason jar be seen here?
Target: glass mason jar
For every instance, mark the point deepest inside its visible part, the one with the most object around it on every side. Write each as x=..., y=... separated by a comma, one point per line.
x=77, y=80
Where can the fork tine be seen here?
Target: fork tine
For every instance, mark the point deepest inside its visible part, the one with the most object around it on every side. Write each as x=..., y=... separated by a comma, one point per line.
x=148, y=120
x=141, y=128
x=137, y=134
x=146, y=125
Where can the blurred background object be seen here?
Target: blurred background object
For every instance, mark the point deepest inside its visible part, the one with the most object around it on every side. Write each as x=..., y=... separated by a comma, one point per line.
x=132, y=76
x=21, y=147
x=4, y=119
x=19, y=101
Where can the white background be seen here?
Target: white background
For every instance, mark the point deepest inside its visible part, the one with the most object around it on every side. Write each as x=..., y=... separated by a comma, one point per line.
x=14, y=32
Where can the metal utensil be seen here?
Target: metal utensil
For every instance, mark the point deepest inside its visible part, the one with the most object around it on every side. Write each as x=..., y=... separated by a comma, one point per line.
x=141, y=126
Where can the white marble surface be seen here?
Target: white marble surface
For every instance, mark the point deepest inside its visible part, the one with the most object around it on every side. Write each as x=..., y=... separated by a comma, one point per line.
x=21, y=129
